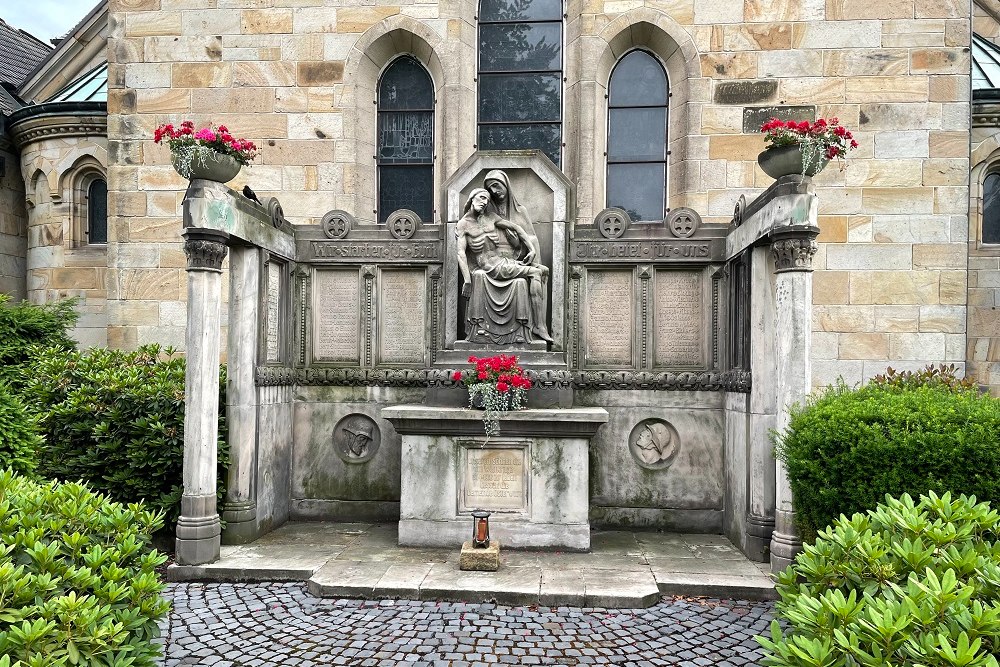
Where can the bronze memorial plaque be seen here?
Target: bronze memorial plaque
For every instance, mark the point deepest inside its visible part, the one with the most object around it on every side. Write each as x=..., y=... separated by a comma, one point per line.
x=608, y=318
x=402, y=305
x=336, y=316
x=495, y=479
x=679, y=319
x=272, y=305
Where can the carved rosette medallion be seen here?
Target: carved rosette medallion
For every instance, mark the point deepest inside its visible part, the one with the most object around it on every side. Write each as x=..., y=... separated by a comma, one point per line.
x=654, y=443
x=337, y=224
x=205, y=249
x=612, y=222
x=356, y=438
x=275, y=211
x=403, y=223
x=793, y=254
x=738, y=212
x=683, y=222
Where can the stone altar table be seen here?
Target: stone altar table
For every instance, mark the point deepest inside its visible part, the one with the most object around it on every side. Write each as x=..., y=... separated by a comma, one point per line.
x=533, y=475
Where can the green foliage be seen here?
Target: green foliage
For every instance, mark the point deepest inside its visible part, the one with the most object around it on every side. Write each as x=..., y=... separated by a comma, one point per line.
x=26, y=328
x=78, y=582
x=908, y=585
x=19, y=439
x=944, y=376
x=116, y=420
x=848, y=448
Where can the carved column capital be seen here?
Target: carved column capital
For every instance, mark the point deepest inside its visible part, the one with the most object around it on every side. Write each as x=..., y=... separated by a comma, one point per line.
x=205, y=249
x=793, y=253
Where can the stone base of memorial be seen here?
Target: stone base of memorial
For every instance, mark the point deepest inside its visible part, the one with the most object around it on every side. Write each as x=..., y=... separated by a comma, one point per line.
x=533, y=476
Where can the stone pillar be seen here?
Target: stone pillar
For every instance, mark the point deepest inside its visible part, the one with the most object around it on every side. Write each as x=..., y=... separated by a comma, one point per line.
x=793, y=251
x=239, y=510
x=198, y=527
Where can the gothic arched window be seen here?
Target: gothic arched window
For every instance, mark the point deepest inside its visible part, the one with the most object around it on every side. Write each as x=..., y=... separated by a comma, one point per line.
x=637, y=136
x=520, y=75
x=97, y=211
x=991, y=208
x=405, y=139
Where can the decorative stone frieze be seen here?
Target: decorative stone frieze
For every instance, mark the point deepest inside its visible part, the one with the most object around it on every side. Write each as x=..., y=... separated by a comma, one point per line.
x=205, y=250
x=793, y=253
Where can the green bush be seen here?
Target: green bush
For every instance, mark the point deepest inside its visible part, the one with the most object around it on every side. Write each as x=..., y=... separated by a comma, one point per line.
x=848, y=448
x=26, y=328
x=78, y=582
x=115, y=419
x=907, y=585
x=19, y=439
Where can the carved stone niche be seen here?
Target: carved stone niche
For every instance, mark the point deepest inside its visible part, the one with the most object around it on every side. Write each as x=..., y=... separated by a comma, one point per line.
x=547, y=195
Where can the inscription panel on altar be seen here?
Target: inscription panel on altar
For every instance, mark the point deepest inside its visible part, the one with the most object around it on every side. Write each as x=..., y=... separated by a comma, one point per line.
x=272, y=313
x=402, y=312
x=679, y=319
x=336, y=300
x=495, y=479
x=608, y=313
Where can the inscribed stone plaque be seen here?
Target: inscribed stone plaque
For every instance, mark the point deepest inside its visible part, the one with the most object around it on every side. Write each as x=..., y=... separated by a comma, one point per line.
x=609, y=317
x=678, y=319
x=402, y=305
x=745, y=92
x=336, y=316
x=272, y=304
x=754, y=117
x=495, y=479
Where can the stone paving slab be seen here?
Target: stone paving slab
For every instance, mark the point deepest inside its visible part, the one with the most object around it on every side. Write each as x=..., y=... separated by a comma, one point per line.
x=281, y=625
x=623, y=570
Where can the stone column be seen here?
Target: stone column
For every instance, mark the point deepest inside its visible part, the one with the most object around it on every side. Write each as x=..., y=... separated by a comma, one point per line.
x=240, y=507
x=793, y=252
x=198, y=527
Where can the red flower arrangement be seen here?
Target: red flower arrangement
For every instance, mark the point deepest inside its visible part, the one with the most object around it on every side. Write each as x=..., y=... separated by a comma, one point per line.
x=826, y=138
x=186, y=144
x=498, y=383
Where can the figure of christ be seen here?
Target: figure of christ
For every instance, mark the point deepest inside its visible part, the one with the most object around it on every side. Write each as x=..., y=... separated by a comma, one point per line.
x=505, y=294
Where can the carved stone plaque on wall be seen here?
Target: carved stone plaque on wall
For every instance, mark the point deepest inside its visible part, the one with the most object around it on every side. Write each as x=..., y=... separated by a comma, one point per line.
x=678, y=319
x=495, y=479
x=402, y=308
x=609, y=308
x=272, y=305
x=336, y=316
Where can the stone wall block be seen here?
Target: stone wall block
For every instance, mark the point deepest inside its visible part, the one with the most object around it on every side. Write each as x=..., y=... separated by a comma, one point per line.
x=794, y=63
x=838, y=10
x=940, y=255
x=843, y=319
x=903, y=88
x=210, y=22
x=202, y=75
x=754, y=36
x=831, y=287
x=935, y=9
x=263, y=74
x=741, y=65
x=898, y=200
x=319, y=73
x=863, y=346
x=950, y=171
x=837, y=35
x=201, y=48
x=266, y=21
x=150, y=24
x=863, y=256
x=917, y=346
x=947, y=319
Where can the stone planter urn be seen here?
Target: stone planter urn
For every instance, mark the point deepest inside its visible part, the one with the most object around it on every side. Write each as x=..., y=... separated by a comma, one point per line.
x=785, y=160
x=205, y=163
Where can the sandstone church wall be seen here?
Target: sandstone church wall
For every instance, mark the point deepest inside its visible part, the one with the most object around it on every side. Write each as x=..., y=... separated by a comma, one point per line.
x=298, y=78
x=13, y=223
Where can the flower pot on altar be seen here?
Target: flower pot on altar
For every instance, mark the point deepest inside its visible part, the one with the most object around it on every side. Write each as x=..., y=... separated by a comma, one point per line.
x=201, y=162
x=781, y=161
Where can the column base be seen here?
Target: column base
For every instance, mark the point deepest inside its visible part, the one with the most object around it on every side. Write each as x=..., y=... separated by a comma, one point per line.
x=759, y=530
x=785, y=541
x=198, y=531
x=241, y=523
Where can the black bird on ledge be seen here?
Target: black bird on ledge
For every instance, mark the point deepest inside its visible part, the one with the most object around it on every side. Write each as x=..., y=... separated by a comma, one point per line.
x=250, y=194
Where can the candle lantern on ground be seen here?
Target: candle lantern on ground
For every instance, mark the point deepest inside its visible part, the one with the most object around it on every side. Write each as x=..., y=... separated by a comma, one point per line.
x=480, y=529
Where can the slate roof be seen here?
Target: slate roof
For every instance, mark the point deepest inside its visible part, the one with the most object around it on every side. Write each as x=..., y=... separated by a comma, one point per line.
x=20, y=54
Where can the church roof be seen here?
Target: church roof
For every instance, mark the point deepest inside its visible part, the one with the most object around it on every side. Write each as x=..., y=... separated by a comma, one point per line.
x=985, y=68
x=20, y=53
x=92, y=86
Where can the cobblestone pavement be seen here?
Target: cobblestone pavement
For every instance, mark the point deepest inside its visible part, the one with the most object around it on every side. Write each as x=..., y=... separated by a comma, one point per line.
x=264, y=625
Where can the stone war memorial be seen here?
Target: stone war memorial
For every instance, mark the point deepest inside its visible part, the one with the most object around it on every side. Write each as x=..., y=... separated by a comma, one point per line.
x=344, y=339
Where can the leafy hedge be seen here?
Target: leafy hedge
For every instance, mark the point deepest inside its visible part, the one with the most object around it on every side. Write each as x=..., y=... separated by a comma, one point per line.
x=115, y=419
x=19, y=439
x=908, y=584
x=78, y=582
x=27, y=328
x=848, y=448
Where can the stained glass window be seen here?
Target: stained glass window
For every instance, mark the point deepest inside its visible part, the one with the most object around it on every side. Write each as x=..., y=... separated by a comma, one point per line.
x=520, y=75
x=991, y=208
x=97, y=212
x=637, y=137
x=405, y=128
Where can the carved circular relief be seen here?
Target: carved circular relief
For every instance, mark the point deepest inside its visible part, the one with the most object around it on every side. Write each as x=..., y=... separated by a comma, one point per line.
x=403, y=223
x=612, y=222
x=653, y=443
x=356, y=438
x=683, y=222
x=741, y=207
x=337, y=224
x=275, y=211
